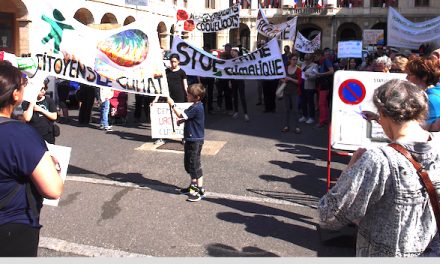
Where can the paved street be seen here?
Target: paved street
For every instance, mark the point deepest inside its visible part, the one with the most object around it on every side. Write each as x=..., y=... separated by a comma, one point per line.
x=262, y=191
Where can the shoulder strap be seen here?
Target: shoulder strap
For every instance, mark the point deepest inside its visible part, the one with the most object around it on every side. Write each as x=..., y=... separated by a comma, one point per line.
x=425, y=179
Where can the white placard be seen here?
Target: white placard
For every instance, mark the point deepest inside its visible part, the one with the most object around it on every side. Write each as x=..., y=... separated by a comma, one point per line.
x=373, y=37
x=349, y=130
x=62, y=154
x=350, y=49
x=163, y=125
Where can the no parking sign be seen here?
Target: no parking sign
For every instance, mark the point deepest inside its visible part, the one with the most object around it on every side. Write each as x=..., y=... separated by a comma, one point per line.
x=353, y=93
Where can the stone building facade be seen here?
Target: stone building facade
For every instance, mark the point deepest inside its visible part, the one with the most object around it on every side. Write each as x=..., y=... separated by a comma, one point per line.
x=336, y=20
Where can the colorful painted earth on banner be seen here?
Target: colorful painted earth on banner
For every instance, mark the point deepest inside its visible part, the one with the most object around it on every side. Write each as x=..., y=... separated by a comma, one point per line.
x=127, y=48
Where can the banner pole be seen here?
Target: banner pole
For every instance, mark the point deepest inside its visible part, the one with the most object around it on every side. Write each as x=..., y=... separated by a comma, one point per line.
x=172, y=120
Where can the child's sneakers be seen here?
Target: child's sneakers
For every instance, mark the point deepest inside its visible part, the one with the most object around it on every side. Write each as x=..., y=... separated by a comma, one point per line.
x=189, y=189
x=195, y=193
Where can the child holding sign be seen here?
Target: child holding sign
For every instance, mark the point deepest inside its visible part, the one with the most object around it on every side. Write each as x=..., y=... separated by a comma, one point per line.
x=193, y=135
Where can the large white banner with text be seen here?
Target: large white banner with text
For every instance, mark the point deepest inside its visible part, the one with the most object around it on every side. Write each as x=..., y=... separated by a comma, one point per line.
x=307, y=46
x=285, y=30
x=127, y=59
x=263, y=63
x=209, y=22
x=216, y=21
x=403, y=33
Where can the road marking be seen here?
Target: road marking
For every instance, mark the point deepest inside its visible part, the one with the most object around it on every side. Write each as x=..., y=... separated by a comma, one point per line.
x=84, y=250
x=92, y=251
x=208, y=194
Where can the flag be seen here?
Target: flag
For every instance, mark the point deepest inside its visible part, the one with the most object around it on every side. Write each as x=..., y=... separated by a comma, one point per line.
x=319, y=4
x=299, y=3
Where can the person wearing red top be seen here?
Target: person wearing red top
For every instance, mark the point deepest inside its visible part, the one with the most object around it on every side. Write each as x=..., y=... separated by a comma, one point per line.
x=291, y=91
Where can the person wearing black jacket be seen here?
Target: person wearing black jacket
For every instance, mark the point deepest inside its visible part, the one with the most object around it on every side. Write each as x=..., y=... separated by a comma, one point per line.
x=42, y=114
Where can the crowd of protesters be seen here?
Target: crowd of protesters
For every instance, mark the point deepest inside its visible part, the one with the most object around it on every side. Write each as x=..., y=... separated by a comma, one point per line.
x=307, y=99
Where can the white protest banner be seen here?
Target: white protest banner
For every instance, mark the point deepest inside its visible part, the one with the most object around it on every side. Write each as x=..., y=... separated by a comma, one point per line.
x=307, y=46
x=285, y=30
x=350, y=49
x=163, y=125
x=353, y=93
x=216, y=21
x=126, y=59
x=263, y=63
x=137, y=2
x=62, y=154
x=373, y=37
x=403, y=33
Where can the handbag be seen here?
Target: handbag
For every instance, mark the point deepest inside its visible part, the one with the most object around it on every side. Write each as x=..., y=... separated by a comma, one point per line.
x=423, y=174
x=56, y=130
x=280, y=90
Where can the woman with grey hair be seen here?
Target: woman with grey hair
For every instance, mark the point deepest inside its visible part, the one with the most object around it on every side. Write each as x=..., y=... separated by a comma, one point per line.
x=382, y=64
x=380, y=190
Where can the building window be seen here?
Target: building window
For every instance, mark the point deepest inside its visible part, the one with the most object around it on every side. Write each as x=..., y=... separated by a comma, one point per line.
x=385, y=3
x=7, y=32
x=185, y=3
x=422, y=3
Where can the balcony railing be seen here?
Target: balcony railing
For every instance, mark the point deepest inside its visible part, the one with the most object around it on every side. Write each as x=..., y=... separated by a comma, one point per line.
x=304, y=10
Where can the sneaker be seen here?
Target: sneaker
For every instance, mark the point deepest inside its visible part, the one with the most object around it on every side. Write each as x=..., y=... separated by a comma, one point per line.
x=194, y=197
x=189, y=189
x=109, y=128
x=202, y=192
x=159, y=141
x=302, y=119
x=310, y=121
x=235, y=115
x=246, y=118
x=101, y=126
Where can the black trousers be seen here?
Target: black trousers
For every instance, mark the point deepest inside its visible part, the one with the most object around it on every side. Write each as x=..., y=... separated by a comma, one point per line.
x=209, y=96
x=238, y=88
x=269, y=90
x=142, y=104
x=192, y=158
x=308, y=103
x=19, y=240
x=223, y=91
x=87, y=98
